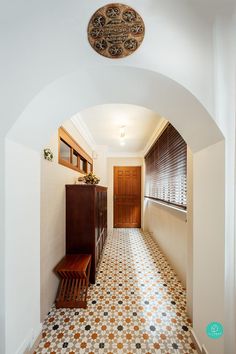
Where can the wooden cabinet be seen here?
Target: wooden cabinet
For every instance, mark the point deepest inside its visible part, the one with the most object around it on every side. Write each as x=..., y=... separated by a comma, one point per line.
x=86, y=221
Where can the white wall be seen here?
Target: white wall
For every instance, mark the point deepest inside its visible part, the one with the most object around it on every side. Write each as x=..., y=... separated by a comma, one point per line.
x=118, y=161
x=169, y=230
x=53, y=179
x=100, y=164
x=22, y=247
x=225, y=115
x=2, y=248
x=189, y=264
x=209, y=244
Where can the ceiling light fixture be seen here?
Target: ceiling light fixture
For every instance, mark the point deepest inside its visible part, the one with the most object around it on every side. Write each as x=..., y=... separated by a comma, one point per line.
x=122, y=135
x=122, y=131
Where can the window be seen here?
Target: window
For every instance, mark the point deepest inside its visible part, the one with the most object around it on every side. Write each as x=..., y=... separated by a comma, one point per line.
x=83, y=165
x=71, y=155
x=89, y=168
x=64, y=151
x=166, y=169
x=75, y=157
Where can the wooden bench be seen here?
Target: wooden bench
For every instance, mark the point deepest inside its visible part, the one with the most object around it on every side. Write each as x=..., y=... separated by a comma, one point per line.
x=74, y=272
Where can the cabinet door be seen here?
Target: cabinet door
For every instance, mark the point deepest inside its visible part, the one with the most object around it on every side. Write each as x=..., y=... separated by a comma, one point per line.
x=79, y=219
x=98, y=250
x=104, y=198
x=98, y=214
x=101, y=212
x=97, y=226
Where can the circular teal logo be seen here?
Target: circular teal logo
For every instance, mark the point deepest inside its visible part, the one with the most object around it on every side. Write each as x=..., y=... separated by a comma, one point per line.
x=214, y=330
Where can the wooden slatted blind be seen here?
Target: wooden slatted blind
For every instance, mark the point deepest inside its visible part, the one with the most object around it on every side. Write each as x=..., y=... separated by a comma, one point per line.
x=166, y=169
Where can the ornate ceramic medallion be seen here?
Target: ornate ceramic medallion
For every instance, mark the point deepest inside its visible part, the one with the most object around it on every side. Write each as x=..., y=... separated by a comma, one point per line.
x=115, y=30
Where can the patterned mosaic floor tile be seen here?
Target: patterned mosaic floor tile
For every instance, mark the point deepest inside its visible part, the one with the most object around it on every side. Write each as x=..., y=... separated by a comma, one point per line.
x=137, y=305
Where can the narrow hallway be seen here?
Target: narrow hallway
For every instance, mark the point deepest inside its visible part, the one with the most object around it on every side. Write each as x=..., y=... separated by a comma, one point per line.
x=136, y=306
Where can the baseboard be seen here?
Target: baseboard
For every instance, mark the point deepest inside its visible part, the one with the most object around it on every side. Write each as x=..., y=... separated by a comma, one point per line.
x=31, y=341
x=195, y=341
x=204, y=351
x=35, y=344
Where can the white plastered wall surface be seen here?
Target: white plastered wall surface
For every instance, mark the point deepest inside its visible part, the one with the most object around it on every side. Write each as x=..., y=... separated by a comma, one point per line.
x=48, y=40
x=224, y=34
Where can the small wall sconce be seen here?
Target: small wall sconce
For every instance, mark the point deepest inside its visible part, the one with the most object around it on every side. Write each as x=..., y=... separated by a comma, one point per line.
x=48, y=155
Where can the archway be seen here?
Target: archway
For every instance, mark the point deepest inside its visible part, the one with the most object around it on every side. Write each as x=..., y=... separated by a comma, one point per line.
x=59, y=101
x=107, y=84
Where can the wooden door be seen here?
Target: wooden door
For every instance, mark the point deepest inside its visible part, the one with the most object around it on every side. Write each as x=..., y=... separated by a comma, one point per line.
x=127, y=196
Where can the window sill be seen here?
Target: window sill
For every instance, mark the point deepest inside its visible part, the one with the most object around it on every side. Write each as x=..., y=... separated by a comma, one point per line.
x=168, y=206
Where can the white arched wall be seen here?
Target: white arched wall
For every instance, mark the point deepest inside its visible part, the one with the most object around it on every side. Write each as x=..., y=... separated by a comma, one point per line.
x=108, y=84
x=57, y=102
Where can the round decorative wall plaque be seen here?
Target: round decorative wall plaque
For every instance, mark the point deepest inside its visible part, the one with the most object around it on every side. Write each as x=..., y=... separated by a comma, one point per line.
x=115, y=30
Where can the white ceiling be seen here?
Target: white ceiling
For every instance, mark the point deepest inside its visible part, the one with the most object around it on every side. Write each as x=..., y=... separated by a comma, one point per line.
x=101, y=126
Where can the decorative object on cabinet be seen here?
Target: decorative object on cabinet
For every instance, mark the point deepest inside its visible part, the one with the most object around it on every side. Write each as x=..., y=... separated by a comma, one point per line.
x=80, y=180
x=90, y=178
x=74, y=271
x=48, y=155
x=86, y=221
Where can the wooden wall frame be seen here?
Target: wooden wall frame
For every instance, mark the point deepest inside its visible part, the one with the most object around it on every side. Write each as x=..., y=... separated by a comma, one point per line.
x=83, y=159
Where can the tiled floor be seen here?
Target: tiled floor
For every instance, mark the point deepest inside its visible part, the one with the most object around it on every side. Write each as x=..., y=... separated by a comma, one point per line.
x=137, y=305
